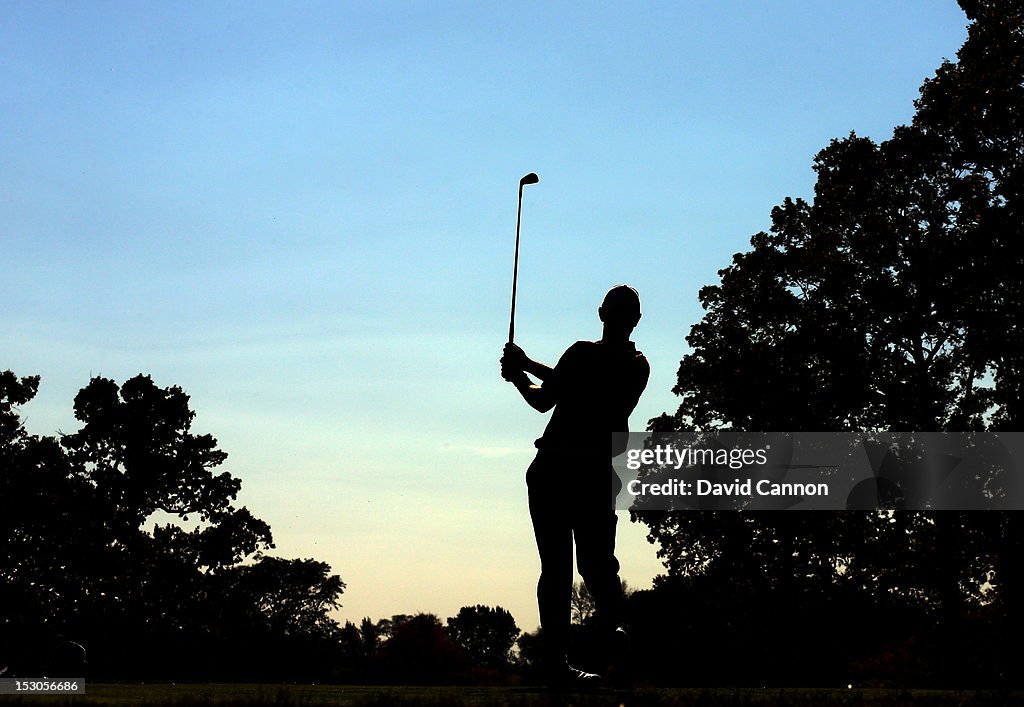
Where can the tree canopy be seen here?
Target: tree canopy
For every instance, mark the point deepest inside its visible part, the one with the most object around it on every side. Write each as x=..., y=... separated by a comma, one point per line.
x=487, y=634
x=894, y=299
x=82, y=564
x=891, y=301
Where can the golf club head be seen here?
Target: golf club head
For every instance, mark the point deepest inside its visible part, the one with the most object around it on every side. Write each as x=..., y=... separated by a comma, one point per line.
x=530, y=178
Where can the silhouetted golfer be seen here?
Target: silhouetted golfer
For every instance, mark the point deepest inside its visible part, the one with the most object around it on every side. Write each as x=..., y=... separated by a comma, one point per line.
x=572, y=486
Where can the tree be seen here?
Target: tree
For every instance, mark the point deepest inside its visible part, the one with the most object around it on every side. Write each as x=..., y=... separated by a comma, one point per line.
x=848, y=314
x=353, y=654
x=373, y=633
x=487, y=634
x=33, y=568
x=893, y=301
x=419, y=652
x=136, y=448
x=581, y=603
x=289, y=597
x=81, y=565
x=974, y=107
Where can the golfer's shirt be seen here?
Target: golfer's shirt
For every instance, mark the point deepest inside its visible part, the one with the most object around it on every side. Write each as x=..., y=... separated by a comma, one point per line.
x=595, y=387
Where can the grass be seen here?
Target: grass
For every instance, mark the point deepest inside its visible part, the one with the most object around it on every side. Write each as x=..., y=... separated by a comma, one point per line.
x=239, y=695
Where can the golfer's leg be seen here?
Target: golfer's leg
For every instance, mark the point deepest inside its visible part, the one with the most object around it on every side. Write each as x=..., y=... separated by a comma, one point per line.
x=552, y=529
x=594, y=530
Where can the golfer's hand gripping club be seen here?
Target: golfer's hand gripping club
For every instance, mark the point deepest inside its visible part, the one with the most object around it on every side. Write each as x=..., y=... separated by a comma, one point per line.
x=513, y=363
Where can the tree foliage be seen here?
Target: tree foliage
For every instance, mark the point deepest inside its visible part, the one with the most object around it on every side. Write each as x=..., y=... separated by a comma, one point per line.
x=891, y=301
x=81, y=562
x=487, y=634
x=419, y=651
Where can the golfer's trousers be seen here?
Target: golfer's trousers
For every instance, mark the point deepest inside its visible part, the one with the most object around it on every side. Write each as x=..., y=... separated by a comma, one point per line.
x=572, y=497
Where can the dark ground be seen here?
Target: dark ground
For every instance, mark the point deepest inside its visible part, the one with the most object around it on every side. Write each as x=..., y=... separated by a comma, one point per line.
x=163, y=695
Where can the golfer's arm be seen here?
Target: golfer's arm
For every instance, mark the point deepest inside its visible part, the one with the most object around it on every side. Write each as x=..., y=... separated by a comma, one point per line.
x=534, y=395
x=538, y=370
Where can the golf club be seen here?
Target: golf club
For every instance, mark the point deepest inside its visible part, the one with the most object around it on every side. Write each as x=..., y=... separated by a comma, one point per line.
x=530, y=178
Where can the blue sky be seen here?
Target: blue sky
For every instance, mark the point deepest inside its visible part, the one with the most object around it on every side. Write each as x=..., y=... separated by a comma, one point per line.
x=304, y=213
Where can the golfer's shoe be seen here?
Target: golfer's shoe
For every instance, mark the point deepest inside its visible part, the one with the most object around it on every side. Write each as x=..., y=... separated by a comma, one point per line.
x=566, y=676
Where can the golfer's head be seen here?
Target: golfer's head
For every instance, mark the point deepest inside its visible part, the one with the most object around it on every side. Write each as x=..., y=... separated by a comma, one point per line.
x=621, y=307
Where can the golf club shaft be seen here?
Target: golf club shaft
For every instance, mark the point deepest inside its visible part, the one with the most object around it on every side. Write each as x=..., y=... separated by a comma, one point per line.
x=515, y=270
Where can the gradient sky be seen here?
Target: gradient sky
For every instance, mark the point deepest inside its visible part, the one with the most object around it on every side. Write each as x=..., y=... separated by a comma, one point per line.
x=303, y=214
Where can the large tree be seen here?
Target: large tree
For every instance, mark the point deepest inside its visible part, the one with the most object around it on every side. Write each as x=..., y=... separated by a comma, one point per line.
x=892, y=301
